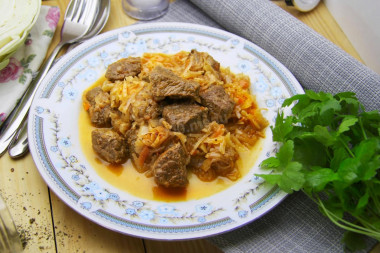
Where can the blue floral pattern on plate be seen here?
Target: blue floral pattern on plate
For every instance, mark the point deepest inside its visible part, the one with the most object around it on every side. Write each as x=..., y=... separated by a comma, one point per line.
x=55, y=146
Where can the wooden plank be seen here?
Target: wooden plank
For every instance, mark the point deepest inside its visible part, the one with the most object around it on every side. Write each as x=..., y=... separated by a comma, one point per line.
x=376, y=249
x=188, y=246
x=75, y=233
x=27, y=197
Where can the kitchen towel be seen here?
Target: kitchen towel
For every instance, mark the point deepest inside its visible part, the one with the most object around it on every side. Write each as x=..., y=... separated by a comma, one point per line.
x=295, y=225
x=23, y=65
x=317, y=63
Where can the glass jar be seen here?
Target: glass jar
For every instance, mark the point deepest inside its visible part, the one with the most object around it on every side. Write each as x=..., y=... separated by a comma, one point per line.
x=145, y=9
x=9, y=237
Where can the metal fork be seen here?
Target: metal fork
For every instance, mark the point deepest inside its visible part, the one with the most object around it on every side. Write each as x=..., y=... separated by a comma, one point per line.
x=19, y=144
x=79, y=18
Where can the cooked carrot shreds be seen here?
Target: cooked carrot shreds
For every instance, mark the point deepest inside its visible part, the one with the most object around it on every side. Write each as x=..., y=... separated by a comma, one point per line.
x=175, y=62
x=218, y=130
x=246, y=108
x=132, y=98
x=244, y=83
x=156, y=136
x=86, y=105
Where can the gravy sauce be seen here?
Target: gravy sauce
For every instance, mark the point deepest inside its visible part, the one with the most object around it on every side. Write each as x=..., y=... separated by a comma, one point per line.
x=126, y=178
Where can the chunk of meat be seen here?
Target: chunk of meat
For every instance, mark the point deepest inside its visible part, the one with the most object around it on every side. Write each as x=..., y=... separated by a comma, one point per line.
x=142, y=148
x=198, y=60
x=167, y=84
x=130, y=66
x=100, y=108
x=91, y=94
x=131, y=142
x=201, y=61
x=170, y=167
x=218, y=102
x=144, y=107
x=109, y=145
x=186, y=118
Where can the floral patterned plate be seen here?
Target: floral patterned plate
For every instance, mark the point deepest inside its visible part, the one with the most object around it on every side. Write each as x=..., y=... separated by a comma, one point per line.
x=54, y=135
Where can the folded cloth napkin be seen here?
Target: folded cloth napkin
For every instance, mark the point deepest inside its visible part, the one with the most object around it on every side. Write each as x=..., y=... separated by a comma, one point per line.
x=23, y=65
x=296, y=225
x=317, y=63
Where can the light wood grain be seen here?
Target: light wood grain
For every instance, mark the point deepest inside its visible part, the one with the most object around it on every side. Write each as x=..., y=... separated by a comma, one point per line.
x=74, y=232
x=27, y=197
x=52, y=226
x=190, y=246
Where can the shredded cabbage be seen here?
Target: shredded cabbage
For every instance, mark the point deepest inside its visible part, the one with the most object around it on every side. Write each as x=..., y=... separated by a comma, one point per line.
x=16, y=19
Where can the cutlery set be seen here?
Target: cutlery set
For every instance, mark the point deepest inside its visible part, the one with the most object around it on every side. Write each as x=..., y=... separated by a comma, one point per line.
x=83, y=20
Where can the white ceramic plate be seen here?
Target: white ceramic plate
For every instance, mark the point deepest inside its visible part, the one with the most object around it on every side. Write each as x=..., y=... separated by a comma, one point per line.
x=55, y=147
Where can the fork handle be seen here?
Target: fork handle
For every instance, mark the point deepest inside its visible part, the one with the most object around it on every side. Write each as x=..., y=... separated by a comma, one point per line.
x=12, y=124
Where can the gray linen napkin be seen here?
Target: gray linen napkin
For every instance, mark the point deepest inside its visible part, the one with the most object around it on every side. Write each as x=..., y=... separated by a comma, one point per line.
x=295, y=225
x=316, y=62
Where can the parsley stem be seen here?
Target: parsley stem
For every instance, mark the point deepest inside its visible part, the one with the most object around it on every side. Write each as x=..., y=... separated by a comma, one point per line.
x=362, y=128
x=374, y=197
x=347, y=148
x=343, y=176
x=365, y=223
x=348, y=225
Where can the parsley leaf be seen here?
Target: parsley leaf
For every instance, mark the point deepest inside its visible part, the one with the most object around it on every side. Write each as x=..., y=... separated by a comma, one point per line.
x=330, y=149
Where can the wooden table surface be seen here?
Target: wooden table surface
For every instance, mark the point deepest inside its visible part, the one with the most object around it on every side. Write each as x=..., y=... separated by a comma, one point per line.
x=46, y=224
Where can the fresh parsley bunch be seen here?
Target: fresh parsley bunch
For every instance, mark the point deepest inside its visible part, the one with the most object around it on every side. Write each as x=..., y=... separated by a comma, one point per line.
x=330, y=149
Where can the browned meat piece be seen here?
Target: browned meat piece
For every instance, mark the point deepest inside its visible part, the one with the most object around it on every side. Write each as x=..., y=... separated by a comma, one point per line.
x=131, y=141
x=119, y=70
x=99, y=109
x=170, y=167
x=197, y=60
x=218, y=102
x=91, y=94
x=186, y=118
x=143, y=156
x=109, y=145
x=100, y=118
x=146, y=107
x=167, y=84
x=201, y=61
x=214, y=64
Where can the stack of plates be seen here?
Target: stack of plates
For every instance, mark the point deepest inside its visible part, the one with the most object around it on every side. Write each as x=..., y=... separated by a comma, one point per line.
x=17, y=18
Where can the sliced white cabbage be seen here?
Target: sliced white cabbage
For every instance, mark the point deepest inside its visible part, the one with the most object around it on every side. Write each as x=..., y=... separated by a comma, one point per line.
x=16, y=19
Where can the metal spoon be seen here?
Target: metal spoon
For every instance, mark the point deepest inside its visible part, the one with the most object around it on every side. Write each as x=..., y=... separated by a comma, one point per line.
x=19, y=145
x=101, y=20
